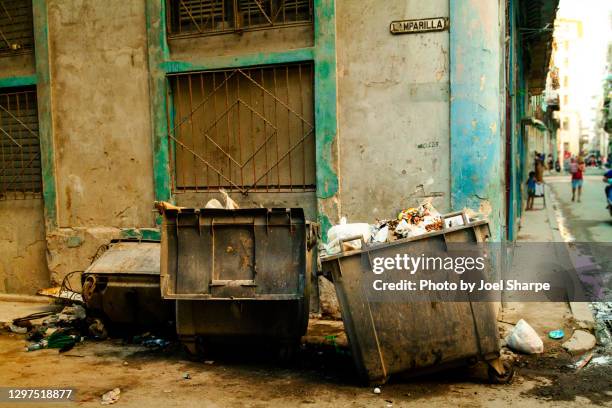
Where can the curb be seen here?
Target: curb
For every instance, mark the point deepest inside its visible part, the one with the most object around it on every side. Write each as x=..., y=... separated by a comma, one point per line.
x=580, y=310
x=10, y=297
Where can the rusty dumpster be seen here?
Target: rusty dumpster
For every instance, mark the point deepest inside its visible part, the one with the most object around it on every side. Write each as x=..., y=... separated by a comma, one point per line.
x=412, y=337
x=122, y=287
x=237, y=274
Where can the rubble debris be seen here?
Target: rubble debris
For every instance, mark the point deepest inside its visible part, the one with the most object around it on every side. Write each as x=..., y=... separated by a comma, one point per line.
x=602, y=312
x=38, y=333
x=17, y=329
x=330, y=308
x=25, y=321
x=580, y=364
x=580, y=342
x=49, y=329
x=410, y=222
x=58, y=292
x=60, y=339
x=68, y=316
x=151, y=341
x=97, y=330
x=556, y=334
x=524, y=339
x=601, y=360
x=111, y=396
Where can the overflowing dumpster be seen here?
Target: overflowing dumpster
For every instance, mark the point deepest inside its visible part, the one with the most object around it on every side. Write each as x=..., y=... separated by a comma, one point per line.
x=413, y=336
x=237, y=273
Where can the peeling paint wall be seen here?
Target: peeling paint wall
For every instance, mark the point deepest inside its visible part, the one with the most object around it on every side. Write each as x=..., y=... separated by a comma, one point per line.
x=393, y=109
x=101, y=126
x=23, y=264
x=100, y=113
x=477, y=144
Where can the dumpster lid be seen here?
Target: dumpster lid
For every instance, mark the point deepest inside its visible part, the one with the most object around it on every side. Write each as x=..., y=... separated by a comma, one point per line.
x=140, y=257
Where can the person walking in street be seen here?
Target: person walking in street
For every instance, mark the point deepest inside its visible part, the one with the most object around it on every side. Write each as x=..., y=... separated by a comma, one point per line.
x=577, y=170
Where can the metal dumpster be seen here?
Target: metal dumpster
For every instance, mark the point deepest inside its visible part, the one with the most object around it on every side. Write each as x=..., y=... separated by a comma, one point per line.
x=237, y=273
x=122, y=286
x=388, y=337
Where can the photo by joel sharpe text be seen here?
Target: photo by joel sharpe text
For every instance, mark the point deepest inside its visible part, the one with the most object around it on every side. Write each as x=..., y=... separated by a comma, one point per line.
x=470, y=287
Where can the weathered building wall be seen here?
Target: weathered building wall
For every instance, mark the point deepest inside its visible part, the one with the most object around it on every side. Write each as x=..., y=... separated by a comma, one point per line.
x=101, y=126
x=393, y=109
x=23, y=264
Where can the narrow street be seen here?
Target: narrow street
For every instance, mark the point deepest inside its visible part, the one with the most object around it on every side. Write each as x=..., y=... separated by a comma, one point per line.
x=587, y=224
x=588, y=220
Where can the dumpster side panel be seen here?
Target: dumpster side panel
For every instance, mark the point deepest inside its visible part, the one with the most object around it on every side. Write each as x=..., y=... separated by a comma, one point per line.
x=388, y=337
x=249, y=253
x=237, y=273
x=283, y=321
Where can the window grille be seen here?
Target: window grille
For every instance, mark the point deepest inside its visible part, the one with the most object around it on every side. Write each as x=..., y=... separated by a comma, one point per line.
x=219, y=16
x=16, y=28
x=20, y=173
x=244, y=129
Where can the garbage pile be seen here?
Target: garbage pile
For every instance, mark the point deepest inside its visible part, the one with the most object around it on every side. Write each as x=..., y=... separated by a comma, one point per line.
x=410, y=222
x=61, y=330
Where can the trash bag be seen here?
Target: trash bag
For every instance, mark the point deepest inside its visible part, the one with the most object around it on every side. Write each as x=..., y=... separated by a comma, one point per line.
x=524, y=339
x=342, y=231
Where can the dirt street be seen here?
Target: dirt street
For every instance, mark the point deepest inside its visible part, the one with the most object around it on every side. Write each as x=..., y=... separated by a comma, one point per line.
x=322, y=376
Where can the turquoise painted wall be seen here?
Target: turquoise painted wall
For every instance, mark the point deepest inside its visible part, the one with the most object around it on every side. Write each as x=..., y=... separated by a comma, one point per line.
x=476, y=63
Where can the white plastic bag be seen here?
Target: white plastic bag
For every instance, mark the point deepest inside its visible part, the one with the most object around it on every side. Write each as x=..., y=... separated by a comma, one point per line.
x=381, y=235
x=539, y=189
x=213, y=203
x=344, y=230
x=524, y=339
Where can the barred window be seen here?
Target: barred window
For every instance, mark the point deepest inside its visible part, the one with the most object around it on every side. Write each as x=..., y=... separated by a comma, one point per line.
x=219, y=16
x=20, y=173
x=16, y=28
x=248, y=129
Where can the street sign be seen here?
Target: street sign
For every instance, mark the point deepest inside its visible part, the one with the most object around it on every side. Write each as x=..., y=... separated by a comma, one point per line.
x=422, y=25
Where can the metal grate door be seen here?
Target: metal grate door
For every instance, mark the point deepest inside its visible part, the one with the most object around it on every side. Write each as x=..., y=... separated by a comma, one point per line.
x=20, y=172
x=217, y=16
x=16, y=28
x=244, y=129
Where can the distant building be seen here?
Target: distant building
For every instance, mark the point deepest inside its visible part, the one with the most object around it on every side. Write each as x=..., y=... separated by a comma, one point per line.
x=606, y=112
x=567, y=38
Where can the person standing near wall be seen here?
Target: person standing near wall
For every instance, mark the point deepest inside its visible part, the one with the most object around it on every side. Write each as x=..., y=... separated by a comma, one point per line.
x=539, y=167
x=577, y=178
x=531, y=190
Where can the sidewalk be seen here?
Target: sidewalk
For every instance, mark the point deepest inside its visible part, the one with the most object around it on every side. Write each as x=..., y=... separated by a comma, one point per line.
x=538, y=225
